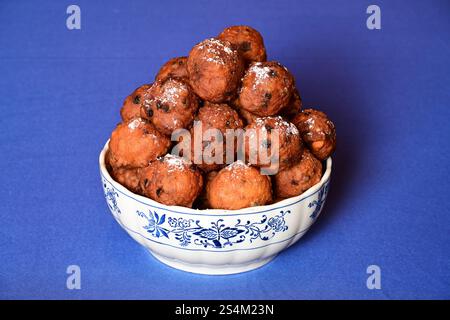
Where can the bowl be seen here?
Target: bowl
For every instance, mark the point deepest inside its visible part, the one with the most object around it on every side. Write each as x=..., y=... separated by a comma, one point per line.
x=214, y=241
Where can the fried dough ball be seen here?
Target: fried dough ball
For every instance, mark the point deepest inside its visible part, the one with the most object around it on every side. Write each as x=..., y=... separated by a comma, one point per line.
x=238, y=186
x=317, y=131
x=215, y=70
x=169, y=105
x=266, y=88
x=135, y=143
x=300, y=177
x=129, y=178
x=294, y=106
x=132, y=104
x=260, y=141
x=174, y=68
x=171, y=180
x=213, y=116
x=247, y=41
x=288, y=112
x=219, y=116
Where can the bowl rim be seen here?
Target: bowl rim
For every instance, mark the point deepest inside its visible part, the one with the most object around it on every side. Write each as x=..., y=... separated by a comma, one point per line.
x=212, y=212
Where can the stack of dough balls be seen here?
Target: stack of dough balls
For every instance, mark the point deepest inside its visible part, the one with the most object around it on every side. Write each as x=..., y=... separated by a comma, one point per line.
x=224, y=83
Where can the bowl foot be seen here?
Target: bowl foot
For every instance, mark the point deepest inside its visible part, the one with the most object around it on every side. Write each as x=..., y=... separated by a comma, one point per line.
x=212, y=269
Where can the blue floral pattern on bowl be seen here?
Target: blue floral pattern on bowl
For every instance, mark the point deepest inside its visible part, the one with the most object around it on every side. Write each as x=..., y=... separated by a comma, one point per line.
x=190, y=232
x=214, y=241
x=111, y=195
x=323, y=192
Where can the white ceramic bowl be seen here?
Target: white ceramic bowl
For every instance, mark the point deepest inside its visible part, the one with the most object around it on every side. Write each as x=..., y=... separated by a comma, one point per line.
x=214, y=241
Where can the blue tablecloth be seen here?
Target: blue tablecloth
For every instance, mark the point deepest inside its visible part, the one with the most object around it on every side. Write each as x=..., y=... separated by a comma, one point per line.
x=387, y=90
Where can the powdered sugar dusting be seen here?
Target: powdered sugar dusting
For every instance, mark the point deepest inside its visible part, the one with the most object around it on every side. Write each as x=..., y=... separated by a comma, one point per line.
x=292, y=129
x=175, y=163
x=134, y=124
x=278, y=123
x=311, y=123
x=236, y=169
x=238, y=164
x=266, y=70
x=215, y=48
x=260, y=71
x=171, y=94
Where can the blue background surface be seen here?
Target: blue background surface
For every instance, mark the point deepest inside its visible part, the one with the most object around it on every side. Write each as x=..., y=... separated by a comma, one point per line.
x=388, y=92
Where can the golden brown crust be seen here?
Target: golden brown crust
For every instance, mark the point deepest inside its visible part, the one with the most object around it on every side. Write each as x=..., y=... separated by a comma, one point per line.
x=171, y=180
x=238, y=186
x=288, y=143
x=174, y=68
x=298, y=178
x=247, y=41
x=219, y=116
x=169, y=105
x=266, y=88
x=135, y=143
x=132, y=104
x=129, y=178
x=317, y=131
x=215, y=69
x=213, y=116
